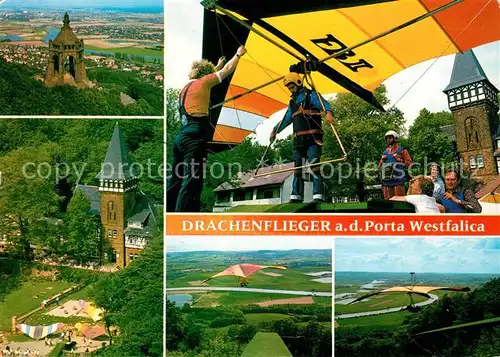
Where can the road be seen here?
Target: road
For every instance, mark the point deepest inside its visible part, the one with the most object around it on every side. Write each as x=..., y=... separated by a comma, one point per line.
x=433, y=298
x=253, y=290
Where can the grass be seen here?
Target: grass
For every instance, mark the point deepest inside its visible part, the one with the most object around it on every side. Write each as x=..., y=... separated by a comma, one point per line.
x=266, y=345
x=22, y=300
x=384, y=321
x=134, y=51
x=382, y=302
x=342, y=206
x=57, y=351
x=41, y=317
x=256, y=318
x=351, y=289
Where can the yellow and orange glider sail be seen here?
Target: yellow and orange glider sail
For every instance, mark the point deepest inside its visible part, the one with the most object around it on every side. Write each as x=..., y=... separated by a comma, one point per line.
x=316, y=29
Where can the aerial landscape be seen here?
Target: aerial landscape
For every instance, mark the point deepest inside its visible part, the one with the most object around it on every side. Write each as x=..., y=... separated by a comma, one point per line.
x=113, y=54
x=237, y=301
x=445, y=304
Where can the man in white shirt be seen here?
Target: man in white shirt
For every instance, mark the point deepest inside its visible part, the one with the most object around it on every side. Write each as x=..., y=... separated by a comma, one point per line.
x=420, y=195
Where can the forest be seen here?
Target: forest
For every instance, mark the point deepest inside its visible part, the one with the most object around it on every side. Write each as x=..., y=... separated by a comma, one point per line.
x=22, y=94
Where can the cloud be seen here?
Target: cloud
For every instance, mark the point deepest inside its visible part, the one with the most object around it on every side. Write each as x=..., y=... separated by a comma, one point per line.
x=431, y=255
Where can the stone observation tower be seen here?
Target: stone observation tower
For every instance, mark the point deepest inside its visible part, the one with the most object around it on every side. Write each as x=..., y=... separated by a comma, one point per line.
x=66, y=64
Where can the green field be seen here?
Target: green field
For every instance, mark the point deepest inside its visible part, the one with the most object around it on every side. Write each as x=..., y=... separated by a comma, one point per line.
x=235, y=298
x=23, y=300
x=266, y=345
x=379, y=302
x=256, y=318
x=133, y=51
x=384, y=321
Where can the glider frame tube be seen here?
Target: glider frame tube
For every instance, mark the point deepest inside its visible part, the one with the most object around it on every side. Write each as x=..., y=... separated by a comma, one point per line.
x=302, y=167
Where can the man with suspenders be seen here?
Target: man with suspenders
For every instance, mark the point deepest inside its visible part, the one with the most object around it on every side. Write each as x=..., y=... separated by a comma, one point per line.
x=304, y=111
x=395, y=159
x=190, y=145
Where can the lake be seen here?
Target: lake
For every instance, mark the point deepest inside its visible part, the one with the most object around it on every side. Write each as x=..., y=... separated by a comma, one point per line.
x=180, y=299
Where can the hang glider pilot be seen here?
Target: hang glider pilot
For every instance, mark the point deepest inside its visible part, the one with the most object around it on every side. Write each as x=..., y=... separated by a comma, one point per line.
x=304, y=112
x=190, y=145
x=393, y=164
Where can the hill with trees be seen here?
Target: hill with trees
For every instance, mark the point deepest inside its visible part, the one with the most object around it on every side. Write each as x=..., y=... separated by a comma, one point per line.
x=22, y=94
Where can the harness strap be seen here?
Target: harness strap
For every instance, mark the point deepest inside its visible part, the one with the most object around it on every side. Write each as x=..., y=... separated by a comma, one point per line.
x=305, y=132
x=301, y=110
x=182, y=101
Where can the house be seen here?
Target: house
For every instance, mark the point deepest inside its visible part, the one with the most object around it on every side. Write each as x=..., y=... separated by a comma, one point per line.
x=128, y=217
x=245, y=189
x=489, y=196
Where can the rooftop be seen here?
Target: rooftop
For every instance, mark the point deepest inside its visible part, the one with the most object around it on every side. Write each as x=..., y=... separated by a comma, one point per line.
x=247, y=179
x=466, y=70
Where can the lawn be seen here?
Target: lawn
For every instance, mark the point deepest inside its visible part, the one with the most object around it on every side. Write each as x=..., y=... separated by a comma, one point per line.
x=256, y=318
x=384, y=321
x=133, y=51
x=40, y=317
x=23, y=300
x=379, y=302
x=266, y=344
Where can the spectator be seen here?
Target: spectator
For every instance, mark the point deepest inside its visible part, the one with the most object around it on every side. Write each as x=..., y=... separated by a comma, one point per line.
x=457, y=199
x=420, y=195
x=436, y=176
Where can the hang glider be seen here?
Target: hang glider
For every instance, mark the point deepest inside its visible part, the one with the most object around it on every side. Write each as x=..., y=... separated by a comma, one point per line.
x=244, y=270
x=89, y=331
x=356, y=45
x=470, y=325
x=91, y=310
x=418, y=290
x=39, y=332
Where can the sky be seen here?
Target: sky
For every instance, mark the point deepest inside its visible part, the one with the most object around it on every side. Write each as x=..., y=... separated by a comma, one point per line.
x=425, y=255
x=184, y=44
x=229, y=243
x=83, y=3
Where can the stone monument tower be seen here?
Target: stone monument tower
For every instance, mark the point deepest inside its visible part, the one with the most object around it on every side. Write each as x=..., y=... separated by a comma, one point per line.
x=66, y=64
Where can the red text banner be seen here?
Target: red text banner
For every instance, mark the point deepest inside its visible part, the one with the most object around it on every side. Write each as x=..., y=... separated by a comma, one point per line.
x=332, y=225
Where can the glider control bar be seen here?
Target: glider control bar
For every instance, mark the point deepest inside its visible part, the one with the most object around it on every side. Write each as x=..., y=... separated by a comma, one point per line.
x=341, y=52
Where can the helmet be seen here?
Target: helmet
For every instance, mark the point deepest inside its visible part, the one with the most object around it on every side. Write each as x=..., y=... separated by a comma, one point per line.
x=292, y=77
x=392, y=133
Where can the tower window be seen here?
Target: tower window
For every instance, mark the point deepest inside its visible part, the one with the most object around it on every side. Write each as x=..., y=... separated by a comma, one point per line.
x=110, y=233
x=472, y=162
x=480, y=161
x=115, y=233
